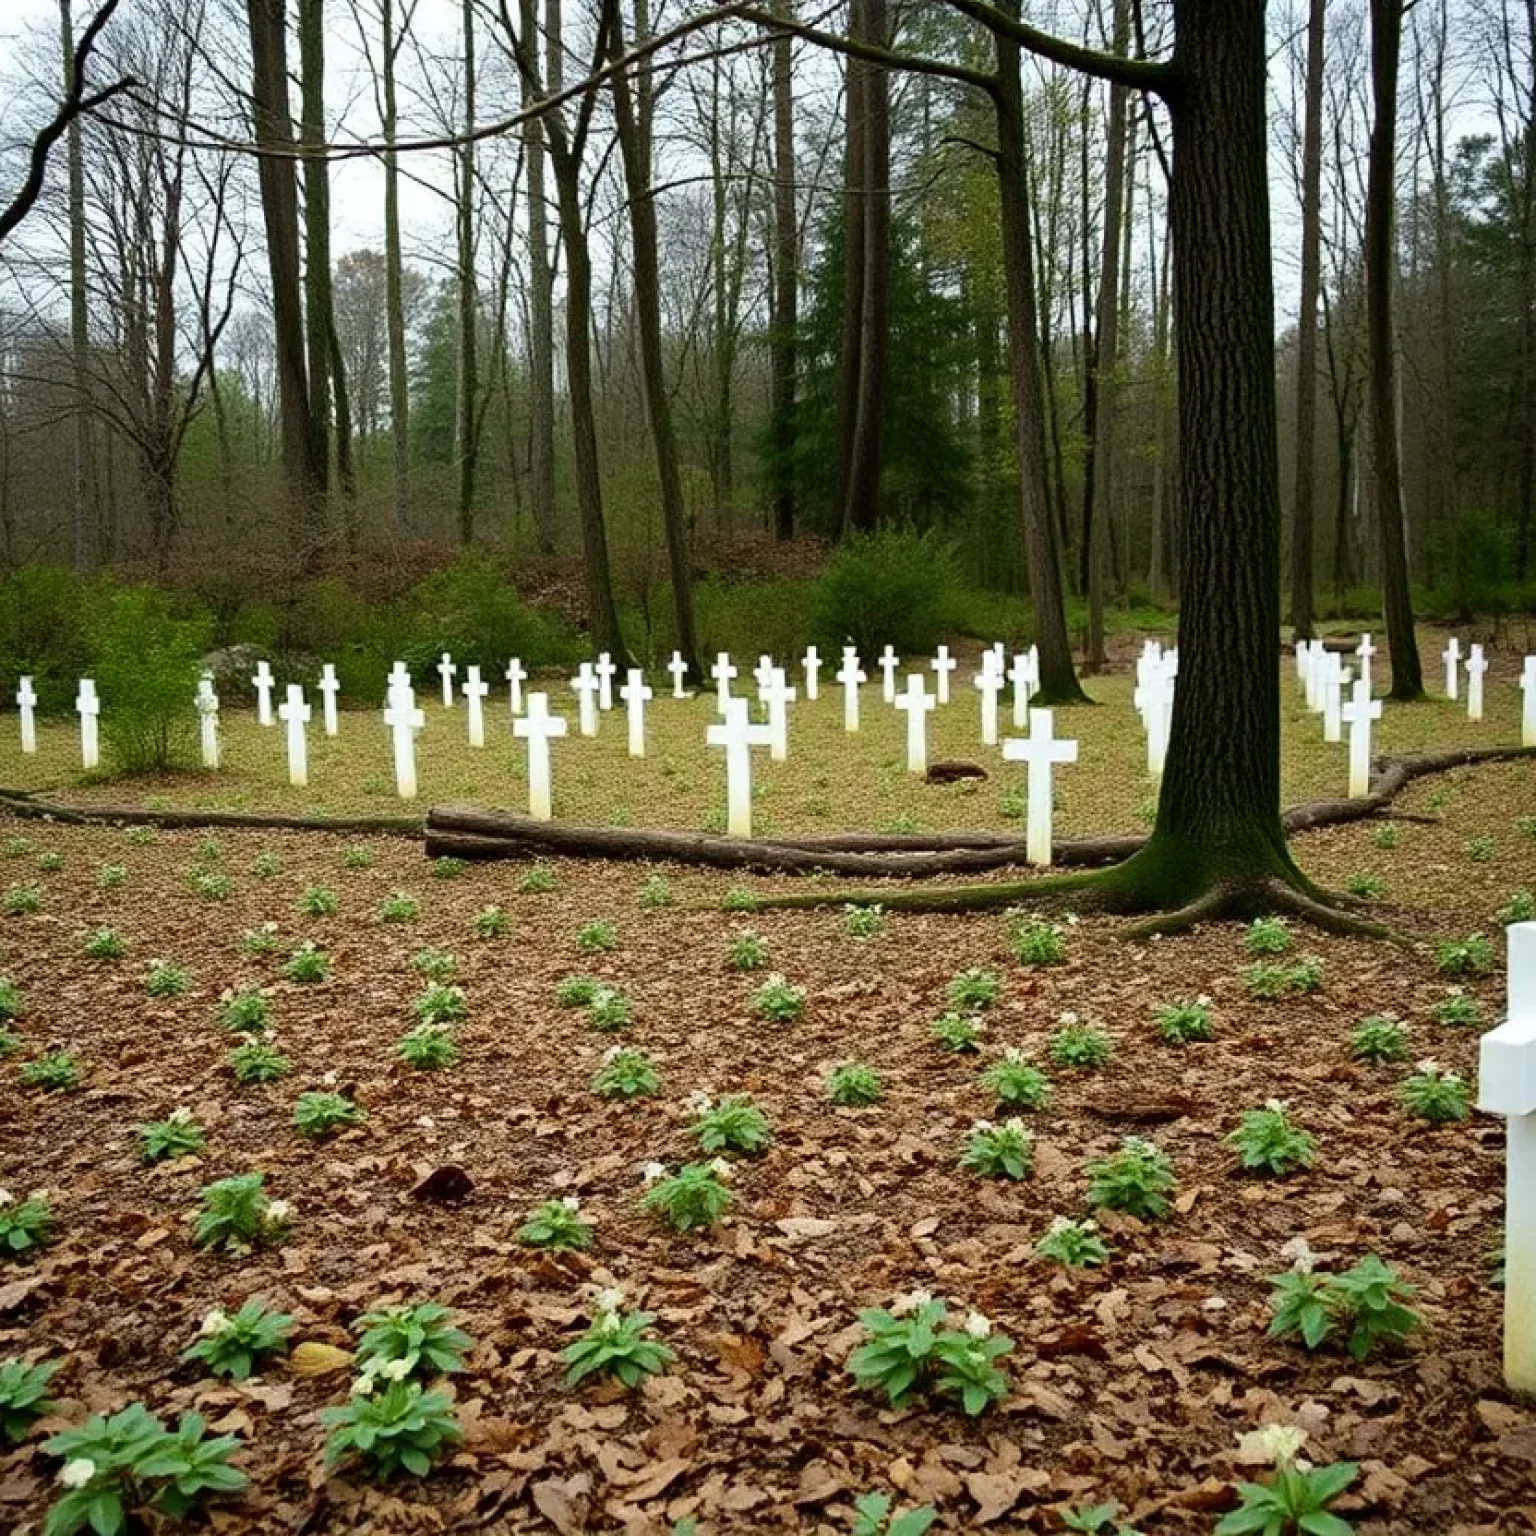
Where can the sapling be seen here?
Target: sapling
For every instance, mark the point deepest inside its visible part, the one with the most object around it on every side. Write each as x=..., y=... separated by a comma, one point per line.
x=1295, y=1501
x=695, y=1196
x=616, y=1344
x=164, y=978
x=110, y=876
x=246, y=1012
x=873, y=1517
x=597, y=937
x=427, y=1047
x=733, y=1124
x=490, y=923
x=1267, y=936
x=853, y=1085
x=747, y=952
x=1379, y=1039
x=318, y=902
x=1003, y=1151
x=909, y=1350
x=439, y=1004
x=955, y=1032
x=1079, y=1045
x=973, y=990
x=399, y=908
x=1190, y=1019
x=23, y=1397
x=1436, y=1095
x=1267, y=1142
x=318, y=1114
x=422, y=1337
x=237, y=1344
x=609, y=1010
x=178, y=1135
x=1137, y=1180
x=1016, y=1083
x=24, y=1224
x=237, y=1215
x=861, y=922
x=22, y=900
x=779, y=1001
x=625, y=1074
x=1471, y=956
x=402, y=1427
x=105, y=944
x=434, y=964
x=537, y=880
x=53, y=1072
x=1076, y=1244
x=256, y=1060
x=1458, y=1011
x=556, y=1224
x=1034, y=941
x=656, y=893
x=1366, y=1301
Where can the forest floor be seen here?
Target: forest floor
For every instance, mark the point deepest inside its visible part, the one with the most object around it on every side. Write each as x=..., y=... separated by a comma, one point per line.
x=1132, y=1383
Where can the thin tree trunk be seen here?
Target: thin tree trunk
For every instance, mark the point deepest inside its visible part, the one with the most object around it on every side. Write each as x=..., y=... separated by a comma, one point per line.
x=394, y=290
x=317, y=236
x=346, y=467
x=850, y=352
x=786, y=280
x=468, y=377
x=541, y=317
x=79, y=318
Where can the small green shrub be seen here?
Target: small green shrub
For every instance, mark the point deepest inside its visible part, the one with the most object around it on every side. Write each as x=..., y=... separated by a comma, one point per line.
x=1137, y=1180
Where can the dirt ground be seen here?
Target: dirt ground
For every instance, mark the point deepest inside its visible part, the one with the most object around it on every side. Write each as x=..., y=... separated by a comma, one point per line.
x=1130, y=1383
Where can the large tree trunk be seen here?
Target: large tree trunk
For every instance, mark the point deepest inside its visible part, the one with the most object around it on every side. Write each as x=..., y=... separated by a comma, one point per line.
x=1058, y=680
x=317, y=236
x=1380, y=272
x=79, y=319
x=394, y=288
x=634, y=134
x=541, y=321
x=850, y=351
x=786, y=280
x=1303, y=517
x=468, y=376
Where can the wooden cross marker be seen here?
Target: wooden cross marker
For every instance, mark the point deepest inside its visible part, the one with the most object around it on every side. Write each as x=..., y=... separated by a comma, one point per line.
x=1041, y=750
x=635, y=694
x=1361, y=710
x=295, y=713
x=538, y=727
x=918, y=704
x=1025, y=679
x=762, y=673
x=1333, y=694
x=1364, y=651
x=738, y=736
x=1154, y=698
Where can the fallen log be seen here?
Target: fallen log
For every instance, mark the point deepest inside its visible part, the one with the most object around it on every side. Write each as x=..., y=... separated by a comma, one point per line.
x=18, y=802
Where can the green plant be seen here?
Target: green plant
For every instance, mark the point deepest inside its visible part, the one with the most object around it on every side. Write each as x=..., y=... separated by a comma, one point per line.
x=318, y=902
x=357, y=856
x=747, y=952
x=1016, y=1083
x=733, y=1124
x=490, y=923
x=235, y=1344
x=308, y=964
x=178, y=1135
x=1035, y=942
x=557, y=1224
x=1365, y=884
x=616, y=1344
x=656, y=892
x=164, y=978
x=973, y=991
x=260, y=941
x=422, y=1337
x=141, y=836
x=439, y=1004
x=237, y=1215
x=1137, y=1179
x=536, y=881
x=1478, y=849
x=211, y=884
x=50, y=861
x=265, y=865
x=1386, y=835
x=890, y=585
x=1267, y=936
x=1367, y=1301
x=434, y=964
x=577, y=991
x=17, y=847
x=427, y=1047
x=24, y=1224
x=1268, y=981
x=1079, y=1045
x=12, y=1005
x=1520, y=908
x=1296, y=1499
x=955, y=1032
x=21, y=900
x=779, y=1001
x=1436, y=1095
x=53, y=1072
x=447, y=868
x=257, y=1061
x=110, y=876
x=1267, y=1142
x=853, y=1085
x=596, y=937
x=1003, y=1151
x=1458, y=1011
x=1471, y=956
x=398, y=907
x=1526, y=826
x=23, y=1397
x=318, y=1114
x=1379, y=1039
x=695, y=1196
x=1097, y=1520
x=1186, y=1020
x=739, y=899
x=609, y=1010
x=873, y=1517
x=909, y=1349
x=1076, y=1244
x=246, y=1012
x=116, y=1464
x=403, y=1428
x=105, y=944
x=625, y=1074
x=863, y=922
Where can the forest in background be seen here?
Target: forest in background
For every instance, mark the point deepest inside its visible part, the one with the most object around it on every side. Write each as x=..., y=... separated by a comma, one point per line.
x=743, y=290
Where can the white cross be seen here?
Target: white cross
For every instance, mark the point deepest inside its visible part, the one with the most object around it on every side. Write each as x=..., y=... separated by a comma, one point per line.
x=586, y=686
x=399, y=677
x=1528, y=712
x=516, y=677
x=778, y=696
x=1154, y=698
x=605, y=670
x=1506, y=1085
x=539, y=727
x=1477, y=665
x=991, y=682
x=1303, y=651
x=1041, y=751
x=762, y=673
x=1316, y=675
x=1364, y=651
x=1025, y=680
x=943, y=664
x=208, y=720
x=999, y=658
x=850, y=675
x=1358, y=713
x=679, y=670
x=1333, y=695
x=1450, y=656
x=918, y=704
x=295, y=715
x=634, y=694
x=447, y=671
x=812, y=665
x=738, y=736
x=330, y=686
x=263, y=683
x=88, y=707
x=404, y=719
x=722, y=672
x=475, y=688
x=26, y=702
x=888, y=663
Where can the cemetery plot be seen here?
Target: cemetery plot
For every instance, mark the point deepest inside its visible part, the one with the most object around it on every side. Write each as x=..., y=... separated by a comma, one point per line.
x=420, y=1043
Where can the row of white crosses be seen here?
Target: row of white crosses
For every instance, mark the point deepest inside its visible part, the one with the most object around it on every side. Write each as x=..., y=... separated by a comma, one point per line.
x=1323, y=676
x=1476, y=666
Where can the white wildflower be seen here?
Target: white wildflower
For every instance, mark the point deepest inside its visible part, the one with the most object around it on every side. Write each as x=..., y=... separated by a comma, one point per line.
x=978, y=1325
x=1072, y=919
x=1429, y=1067
x=699, y=1102
x=6, y=1197
x=1013, y=1053
x=279, y=1212
x=1061, y=1224
x=612, y=1053
x=1015, y=1126
x=571, y=1202
x=1275, y=1106
x=1282, y=1443
x=912, y=1301
x=364, y=1385
x=215, y=1323
x=398, y=1370
x=1066, y=1018
x=721, y=1169
x=330, y=1079
x=180, y=1116
x=1299, y=1251
x=981, y=1125
x=78, y=1472
x=1203, y=1001
x=652, y=1172
x=609, y=1300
